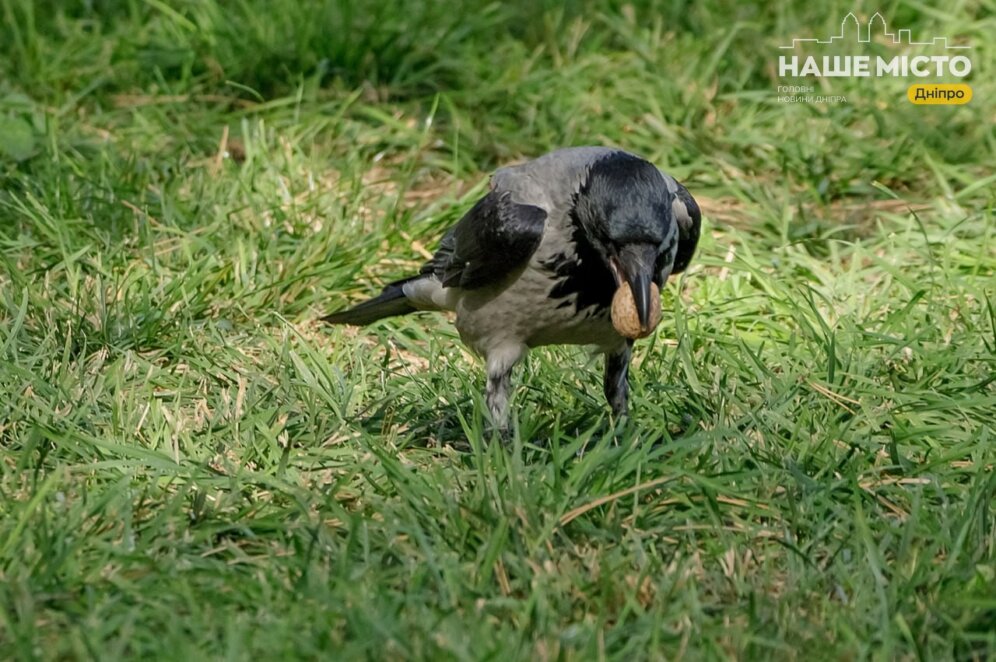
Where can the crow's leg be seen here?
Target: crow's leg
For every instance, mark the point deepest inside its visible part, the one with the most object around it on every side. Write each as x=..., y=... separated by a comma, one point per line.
x=500, y=362
x=616, y=382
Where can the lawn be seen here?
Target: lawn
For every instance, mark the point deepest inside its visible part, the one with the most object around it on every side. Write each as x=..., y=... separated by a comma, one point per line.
x=191, y=467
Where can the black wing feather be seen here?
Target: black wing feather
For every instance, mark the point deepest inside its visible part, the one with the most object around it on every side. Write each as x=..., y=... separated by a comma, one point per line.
x=492, y=240
x=688, y=232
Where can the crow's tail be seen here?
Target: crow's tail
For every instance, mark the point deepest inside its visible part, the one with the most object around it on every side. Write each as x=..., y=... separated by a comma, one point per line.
x=391, y=301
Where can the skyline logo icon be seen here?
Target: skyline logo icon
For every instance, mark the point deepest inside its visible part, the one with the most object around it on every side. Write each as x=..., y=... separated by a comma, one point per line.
x=851, y=30
x=943, y=64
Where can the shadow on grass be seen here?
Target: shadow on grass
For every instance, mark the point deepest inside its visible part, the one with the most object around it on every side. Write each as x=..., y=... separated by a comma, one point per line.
x=426, y=423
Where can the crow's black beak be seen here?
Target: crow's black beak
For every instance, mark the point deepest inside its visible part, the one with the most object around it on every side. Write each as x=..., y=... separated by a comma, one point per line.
x=635, y=264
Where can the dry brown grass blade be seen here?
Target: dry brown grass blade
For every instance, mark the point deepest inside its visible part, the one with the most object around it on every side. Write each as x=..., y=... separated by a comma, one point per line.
x=591, y=505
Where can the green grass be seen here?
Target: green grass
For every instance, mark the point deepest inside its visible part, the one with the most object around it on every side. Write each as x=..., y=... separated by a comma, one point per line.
x=191, y=467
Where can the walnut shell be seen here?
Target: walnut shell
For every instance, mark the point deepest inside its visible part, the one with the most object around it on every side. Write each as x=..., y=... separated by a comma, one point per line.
x=624, y=317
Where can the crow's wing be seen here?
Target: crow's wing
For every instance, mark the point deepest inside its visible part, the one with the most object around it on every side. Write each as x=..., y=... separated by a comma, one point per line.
x=689, y=219
x=496, y=237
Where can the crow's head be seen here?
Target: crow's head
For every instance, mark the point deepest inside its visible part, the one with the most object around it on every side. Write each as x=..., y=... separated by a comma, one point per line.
x=644, y=226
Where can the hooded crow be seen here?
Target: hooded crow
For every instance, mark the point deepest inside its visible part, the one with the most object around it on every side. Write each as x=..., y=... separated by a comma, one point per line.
x=555, y=253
